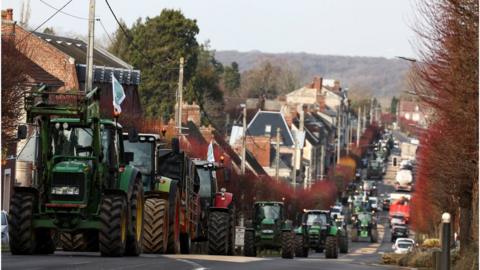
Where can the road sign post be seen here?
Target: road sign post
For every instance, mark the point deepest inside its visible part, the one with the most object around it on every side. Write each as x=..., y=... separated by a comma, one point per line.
x=445, y=255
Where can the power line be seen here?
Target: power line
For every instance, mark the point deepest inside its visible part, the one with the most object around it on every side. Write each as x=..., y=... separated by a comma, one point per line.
x=105, y=30
x=63, y=12
x=130, y=39
x=48, y=19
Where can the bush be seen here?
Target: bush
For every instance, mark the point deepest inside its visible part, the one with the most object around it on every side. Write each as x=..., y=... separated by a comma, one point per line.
x=431, y=243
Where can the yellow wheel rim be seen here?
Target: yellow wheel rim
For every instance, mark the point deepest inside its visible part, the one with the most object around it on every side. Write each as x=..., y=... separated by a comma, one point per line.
x=139, y=217
x=123, y=227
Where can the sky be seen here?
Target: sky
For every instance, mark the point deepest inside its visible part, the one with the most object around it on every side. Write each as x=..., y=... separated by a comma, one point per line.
x=331, y=27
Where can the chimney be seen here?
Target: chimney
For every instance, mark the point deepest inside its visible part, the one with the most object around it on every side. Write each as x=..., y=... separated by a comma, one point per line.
x=321, y=101
x=317, y=83
x=9, y=15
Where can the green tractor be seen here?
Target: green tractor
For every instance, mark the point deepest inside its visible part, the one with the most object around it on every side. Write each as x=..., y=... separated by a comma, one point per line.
x=269, y=229
x=84, y=190
x=320, y=232
x=364, y=226
x=207, y=213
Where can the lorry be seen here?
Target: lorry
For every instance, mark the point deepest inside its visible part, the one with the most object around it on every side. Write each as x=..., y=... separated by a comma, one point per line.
x=269, y=229
x=401, y=206
x=183, y=203
x=320, y=232
x=403, y=180
x=375, y=169
x=84, y=187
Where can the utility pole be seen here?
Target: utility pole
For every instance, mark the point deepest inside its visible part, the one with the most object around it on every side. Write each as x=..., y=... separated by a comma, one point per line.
x=358, y=126
x=180, y=97
x=90, y=46
x=348, y=139
x=277, y=156
x=294, y=171
x=364, y=118
x=244, y=137
x=322, y=160
x=339, y=135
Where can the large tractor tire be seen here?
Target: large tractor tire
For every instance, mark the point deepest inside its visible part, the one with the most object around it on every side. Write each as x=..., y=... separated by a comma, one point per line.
x=249, y=248
x=22, y=238
x=301, y=246
x=135, y=232
x=185, y=243
x=218, y=233
x=155, y=226
x=114, y=225
x=354, y=235
x=288, y=245
x=331, y=247
x=231, y=239
x=373, y=235
x=343, y=242
x=173, y=243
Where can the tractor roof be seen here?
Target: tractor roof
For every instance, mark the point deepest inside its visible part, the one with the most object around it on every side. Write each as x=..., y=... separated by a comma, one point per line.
x=156, y=136
x=77, y=120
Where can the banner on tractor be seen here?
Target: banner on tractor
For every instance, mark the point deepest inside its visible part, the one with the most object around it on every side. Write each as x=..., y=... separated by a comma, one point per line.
x=118, y=95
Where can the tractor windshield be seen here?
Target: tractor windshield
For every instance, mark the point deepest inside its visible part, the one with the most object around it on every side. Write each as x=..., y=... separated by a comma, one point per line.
x=142, y=155
x=316, y=219
x=74, y=141
x=268, y=212
x=205, y=177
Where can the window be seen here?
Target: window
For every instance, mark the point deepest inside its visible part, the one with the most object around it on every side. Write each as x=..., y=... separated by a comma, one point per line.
x=142, y=155
x=314, y=218
x=268, y=129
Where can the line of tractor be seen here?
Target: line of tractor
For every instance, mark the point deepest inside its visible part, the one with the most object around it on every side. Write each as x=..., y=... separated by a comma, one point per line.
x=98, y=188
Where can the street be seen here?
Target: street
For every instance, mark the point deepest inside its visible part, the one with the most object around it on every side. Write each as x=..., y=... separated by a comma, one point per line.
x=362, y=255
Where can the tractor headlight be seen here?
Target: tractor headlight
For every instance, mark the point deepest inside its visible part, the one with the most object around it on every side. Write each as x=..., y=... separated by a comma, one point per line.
x=267, y=231
x=66, y=190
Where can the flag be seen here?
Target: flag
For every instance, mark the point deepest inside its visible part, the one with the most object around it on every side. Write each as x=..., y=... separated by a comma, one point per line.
x=118, y=94
x=210, y=156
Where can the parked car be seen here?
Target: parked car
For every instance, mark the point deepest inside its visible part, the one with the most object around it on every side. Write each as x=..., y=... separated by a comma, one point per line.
x=4, y=220
x=403, y=245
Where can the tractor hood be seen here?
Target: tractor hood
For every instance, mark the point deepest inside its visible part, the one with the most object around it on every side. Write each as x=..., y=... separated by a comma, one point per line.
x=72, y=166
x=267, y=221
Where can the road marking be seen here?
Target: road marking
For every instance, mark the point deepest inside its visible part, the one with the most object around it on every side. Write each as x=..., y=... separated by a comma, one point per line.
x=234, y=259
x=194, y=264
x=323, y=259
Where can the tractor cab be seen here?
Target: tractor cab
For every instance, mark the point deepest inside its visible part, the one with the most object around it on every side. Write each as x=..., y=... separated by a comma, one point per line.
x=144, y=148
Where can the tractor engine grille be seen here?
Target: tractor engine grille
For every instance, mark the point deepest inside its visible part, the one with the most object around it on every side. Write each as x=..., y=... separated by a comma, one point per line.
x=67, y=186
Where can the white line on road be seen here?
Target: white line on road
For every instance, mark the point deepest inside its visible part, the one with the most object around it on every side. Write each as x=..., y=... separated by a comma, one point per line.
x=195, y=265
x=233, y=259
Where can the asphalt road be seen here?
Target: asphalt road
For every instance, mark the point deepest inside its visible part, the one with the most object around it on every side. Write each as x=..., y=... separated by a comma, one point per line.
x=361, y=256
x=400, y=136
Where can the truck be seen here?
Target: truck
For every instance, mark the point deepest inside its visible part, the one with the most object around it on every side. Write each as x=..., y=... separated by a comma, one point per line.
x=400, y=206
x=408, y=150
x=375, y=169
x=183, y=203
x=84, y=188
x=403, y=180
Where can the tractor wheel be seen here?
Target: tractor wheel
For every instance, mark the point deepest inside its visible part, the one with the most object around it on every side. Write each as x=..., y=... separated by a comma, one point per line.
x=22, y=237
x=113, y=228
x=343, y=242
x=249, y=249
x=155, y=226
x=331, y=247
x=73, y=241
x=185, y=243
x=301, y=248
x=288, y=245
x=231, y=240
x=373, y=235
x=79, y=241
x=218, y=233
x=135, y=234
x=173, y=244
x=354, y=235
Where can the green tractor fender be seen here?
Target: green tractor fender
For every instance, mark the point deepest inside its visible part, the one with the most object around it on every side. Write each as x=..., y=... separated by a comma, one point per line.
x=127, y=180
x=333, y=231
x=287, y=225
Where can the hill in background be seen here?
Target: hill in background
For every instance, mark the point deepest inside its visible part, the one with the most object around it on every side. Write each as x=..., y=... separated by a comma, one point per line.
x=376, y=76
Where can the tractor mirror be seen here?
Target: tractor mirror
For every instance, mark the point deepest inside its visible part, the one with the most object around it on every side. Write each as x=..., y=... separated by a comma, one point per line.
x=226, y=174
x=176, y=145
x=133, y=135
x=22, y=132
x=128, y=157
